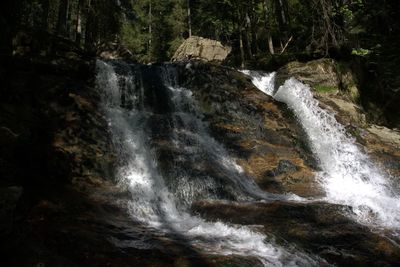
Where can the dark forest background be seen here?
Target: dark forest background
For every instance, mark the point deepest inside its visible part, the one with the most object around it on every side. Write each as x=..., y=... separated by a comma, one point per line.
x=263, y=34
x=152, y=30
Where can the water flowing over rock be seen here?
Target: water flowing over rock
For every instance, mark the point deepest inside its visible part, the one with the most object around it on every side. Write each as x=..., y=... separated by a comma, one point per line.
x=196, y=47
x=348, y=175
x=169, y=161
x=183, y=164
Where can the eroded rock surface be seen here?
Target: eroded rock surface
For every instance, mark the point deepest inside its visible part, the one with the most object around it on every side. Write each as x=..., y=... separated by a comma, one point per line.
x=196, y=47
x=320, y=228
x=335, y=87
x=261, y=133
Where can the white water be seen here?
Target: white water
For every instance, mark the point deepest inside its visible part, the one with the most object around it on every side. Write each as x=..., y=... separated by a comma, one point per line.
x=152, y=202
x=348, y=175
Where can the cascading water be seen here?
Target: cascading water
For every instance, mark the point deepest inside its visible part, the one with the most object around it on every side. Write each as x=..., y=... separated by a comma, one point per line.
x=160, y=200
x=348, y=176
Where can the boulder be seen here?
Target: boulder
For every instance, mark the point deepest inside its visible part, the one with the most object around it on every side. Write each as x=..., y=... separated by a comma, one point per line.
x=325, y=76
x=320, y=72
x=196, y=47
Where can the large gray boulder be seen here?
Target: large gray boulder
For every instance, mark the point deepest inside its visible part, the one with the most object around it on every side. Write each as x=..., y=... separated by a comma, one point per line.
x=196, y=47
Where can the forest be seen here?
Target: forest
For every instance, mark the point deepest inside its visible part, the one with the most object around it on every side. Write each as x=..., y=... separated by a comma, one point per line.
x=152, y=30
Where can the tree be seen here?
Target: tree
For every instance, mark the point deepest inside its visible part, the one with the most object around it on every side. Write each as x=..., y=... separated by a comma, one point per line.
x=189, y=16
x=78, y=26
x=63, y=10
x=268, y=26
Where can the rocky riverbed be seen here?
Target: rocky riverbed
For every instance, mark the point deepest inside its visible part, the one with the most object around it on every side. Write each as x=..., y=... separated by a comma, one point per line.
x=61, y=204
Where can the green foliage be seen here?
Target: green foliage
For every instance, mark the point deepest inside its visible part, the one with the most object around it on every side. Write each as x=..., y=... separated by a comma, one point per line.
x=156, y=29
x=325, y=89
x=360, y=52
x=135, y=40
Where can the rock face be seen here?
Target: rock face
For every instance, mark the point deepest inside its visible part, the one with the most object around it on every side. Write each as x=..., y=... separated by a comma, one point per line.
x=58, y=199
x=323, y=75
x=318, y=227
x=335, y=88
x=269, y=145
x=261, y=133
x=196, y=47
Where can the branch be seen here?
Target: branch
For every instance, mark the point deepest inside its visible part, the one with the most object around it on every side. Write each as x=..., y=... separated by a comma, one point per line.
x=9, y=131
x=286, y=45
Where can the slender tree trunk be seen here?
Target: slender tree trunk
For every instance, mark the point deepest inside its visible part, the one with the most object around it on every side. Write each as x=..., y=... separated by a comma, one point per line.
x=89, y=26
x=253, y=27
x=10, y=21
x=268, y=28
x=150, y=30
x=45, y=16
x=282, y=20
x=241, y=47
x=189, y=16
x=78, y=26
x=62, y=17
x=248, y=38
x=282, y=10
x=240, y=20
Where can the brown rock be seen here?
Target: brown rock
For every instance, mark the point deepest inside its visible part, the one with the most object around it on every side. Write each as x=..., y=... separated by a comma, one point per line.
x=261, y=133
x=196, y=47
x=321, y=228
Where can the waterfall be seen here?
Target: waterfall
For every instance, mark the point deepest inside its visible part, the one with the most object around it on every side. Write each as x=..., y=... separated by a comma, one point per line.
x=348, y=175
x=145, y=106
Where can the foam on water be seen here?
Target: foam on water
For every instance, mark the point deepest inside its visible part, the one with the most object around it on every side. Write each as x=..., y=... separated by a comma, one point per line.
x=155, y=206
x=348, y=176
x=263, y=81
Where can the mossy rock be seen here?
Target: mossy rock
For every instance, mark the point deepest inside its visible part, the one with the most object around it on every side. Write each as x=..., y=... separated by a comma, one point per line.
x=348, y=83
x=321, y=72
x=324, y=89
x=325, y=76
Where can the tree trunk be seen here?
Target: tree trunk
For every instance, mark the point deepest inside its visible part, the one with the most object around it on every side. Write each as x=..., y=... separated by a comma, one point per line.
x=45, y=16
x=253, y=27
x=10, y=22
x=89, y=26
x=282, y=20
x=189, y=15
x=268, y=28
x=240, y=22
x=78, y=26
x=62, y=17
x=241, y=47
x=282, y=12
x=248, y=39
x=150, y=30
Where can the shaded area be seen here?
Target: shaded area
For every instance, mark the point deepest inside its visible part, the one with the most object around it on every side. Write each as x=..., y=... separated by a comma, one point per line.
x=320, y=228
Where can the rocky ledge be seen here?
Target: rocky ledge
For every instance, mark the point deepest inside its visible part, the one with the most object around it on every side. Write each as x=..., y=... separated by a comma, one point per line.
x=338, y=91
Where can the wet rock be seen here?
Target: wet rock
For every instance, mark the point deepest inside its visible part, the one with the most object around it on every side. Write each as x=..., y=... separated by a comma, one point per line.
x=52, y=137
x=324, y=229
x=380, y=143
x=335, y=87
x=346, y=112
x=261, y=133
